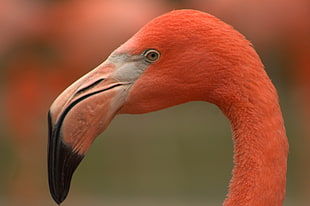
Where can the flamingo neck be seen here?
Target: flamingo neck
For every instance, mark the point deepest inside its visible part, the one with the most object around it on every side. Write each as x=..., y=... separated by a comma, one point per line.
x=260, y=149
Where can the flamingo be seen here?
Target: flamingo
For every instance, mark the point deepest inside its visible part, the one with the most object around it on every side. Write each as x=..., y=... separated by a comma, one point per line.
x=181, y=56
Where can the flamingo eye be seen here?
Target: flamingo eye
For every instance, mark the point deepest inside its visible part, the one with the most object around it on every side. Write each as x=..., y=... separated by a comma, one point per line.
x=151, y=55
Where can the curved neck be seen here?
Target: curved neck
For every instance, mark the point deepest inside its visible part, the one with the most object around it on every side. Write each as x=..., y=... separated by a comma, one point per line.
x=260, y=149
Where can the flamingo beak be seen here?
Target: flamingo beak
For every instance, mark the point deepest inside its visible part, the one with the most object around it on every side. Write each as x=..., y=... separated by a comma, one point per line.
x=77, y=117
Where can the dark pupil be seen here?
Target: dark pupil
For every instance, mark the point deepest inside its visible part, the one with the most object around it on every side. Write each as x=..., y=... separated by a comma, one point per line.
x=152, y=55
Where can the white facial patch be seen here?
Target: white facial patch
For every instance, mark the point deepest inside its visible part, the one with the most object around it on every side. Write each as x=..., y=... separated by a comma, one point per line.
x=129, y=67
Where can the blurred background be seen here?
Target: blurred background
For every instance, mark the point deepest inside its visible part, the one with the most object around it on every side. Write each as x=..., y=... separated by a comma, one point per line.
x=178, y=156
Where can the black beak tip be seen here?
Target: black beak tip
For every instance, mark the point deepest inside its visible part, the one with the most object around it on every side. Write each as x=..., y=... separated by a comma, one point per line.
x=61, y=171
x=62, y=162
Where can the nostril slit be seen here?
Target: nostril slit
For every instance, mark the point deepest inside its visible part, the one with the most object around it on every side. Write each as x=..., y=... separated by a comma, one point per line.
x=80, y=91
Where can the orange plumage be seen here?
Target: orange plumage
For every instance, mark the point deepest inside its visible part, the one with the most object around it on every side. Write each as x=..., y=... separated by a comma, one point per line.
x=200, y=58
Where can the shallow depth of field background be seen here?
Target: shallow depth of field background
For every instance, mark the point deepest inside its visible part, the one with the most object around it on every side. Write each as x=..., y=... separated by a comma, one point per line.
x=177, y=156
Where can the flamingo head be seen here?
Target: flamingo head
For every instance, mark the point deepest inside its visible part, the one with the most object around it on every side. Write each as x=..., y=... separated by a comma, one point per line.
x=176, y=58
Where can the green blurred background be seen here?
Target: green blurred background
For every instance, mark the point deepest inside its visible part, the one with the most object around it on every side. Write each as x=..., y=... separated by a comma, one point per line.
x=177, y=156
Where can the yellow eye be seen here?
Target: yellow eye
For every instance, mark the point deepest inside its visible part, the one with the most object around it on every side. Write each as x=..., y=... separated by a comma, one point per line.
x=151, y=55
